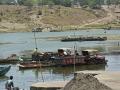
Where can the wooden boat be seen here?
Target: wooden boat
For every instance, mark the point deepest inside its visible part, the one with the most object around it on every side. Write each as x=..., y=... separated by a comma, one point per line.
x=4, y=70
x=84, y=39
x=28, y=65
x=34, y=64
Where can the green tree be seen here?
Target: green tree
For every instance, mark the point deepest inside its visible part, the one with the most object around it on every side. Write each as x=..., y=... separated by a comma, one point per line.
x=21, y=2
x=67, y=3
x=57, y=2
x=40, y=2
x=51, y=3
x=1, y=1
x=28, y=2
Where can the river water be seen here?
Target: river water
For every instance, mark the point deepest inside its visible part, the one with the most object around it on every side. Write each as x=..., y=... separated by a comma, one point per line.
x=17, y=42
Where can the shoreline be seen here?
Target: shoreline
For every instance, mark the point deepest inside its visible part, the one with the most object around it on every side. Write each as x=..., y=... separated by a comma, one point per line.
x=24, y=19
x=60, y=30
x=109, y=80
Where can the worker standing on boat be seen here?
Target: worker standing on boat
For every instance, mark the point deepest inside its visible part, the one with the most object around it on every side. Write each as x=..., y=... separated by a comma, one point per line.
x=9, y=84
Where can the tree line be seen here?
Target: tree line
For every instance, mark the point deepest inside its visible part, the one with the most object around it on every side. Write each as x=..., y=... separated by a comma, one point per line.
x=67, y=3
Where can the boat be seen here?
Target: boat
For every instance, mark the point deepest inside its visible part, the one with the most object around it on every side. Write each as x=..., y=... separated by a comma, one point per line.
x=4, y=70
x=37, y=29
x=12, y=59
x=34, y=64
x=64, y=57
x=88, y=56
x=34, y=61
x=9, y=61
x=28, y=65
x=92, y=38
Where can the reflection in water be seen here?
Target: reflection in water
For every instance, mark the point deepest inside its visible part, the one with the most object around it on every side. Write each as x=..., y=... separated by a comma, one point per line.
x=64, y=71
x=36, y=74
x=69, y=70
x=2, y=78
x=60, y=73
x=36, y=71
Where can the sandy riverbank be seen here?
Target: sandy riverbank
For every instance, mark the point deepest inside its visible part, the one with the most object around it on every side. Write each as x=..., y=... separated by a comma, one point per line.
x=85, y=80
x=109, y=78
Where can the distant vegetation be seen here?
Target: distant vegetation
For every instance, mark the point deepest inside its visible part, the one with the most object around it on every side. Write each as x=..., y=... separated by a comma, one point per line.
x=67, y=3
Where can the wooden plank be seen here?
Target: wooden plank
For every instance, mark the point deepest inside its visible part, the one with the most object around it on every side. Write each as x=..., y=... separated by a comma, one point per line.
x=56, y=85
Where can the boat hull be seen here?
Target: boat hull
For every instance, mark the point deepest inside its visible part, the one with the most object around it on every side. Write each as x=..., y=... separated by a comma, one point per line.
x=78, y=60
x=4, y=70
x=84, y=39
x=7, y=61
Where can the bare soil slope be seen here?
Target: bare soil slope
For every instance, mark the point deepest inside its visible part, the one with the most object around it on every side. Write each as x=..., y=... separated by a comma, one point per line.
x=22, y=18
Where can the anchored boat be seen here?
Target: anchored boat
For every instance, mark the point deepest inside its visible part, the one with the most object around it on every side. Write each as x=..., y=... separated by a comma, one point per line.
x=64, y=57
x=84, y=39
x=89, y=56
x=4, y=70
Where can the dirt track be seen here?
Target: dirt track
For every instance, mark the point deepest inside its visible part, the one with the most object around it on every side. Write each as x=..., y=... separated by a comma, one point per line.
x=109, y=18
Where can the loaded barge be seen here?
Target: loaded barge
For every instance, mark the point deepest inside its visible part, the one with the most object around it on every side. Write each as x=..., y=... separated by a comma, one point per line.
x=83, y=39
x=63, y=58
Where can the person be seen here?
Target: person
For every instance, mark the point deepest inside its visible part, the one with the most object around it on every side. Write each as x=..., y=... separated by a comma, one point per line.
x=9, y=84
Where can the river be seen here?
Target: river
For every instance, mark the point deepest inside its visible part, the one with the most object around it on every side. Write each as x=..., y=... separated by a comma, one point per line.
x=16, y=42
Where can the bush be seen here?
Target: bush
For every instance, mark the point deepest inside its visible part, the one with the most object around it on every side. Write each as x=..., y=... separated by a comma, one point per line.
x=39, y=12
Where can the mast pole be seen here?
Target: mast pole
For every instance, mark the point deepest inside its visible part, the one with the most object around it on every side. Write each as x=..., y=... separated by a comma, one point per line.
x=74, y=55
x=36, y=51
x=74, y=60
x=35, y=40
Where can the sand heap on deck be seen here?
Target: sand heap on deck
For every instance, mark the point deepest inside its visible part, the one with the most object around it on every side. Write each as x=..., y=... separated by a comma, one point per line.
x=85, y=82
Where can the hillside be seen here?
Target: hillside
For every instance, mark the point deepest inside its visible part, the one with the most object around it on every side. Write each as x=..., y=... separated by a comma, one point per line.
x=23, y=18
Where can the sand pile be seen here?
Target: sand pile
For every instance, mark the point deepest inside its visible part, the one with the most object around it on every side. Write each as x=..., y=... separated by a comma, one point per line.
x=85, y=82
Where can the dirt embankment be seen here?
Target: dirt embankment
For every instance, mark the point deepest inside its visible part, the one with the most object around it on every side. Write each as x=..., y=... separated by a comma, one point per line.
x=24, y=19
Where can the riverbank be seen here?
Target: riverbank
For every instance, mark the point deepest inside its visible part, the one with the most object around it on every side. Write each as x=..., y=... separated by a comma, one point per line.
x=15, y=18
x=85, y=80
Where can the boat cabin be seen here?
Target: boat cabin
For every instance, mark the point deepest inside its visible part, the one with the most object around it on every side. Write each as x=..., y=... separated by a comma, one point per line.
x=89, y=52
x=65, y=51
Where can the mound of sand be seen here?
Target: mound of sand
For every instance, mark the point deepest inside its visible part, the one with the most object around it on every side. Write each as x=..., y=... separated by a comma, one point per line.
x=85, y=82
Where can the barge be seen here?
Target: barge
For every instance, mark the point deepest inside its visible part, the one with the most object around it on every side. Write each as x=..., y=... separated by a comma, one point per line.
x=84, y=39
x=64, y=58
